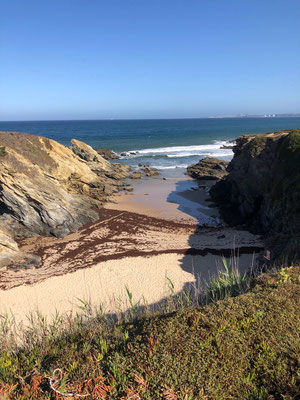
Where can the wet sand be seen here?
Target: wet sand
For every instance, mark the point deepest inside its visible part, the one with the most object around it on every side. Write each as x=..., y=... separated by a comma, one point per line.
x=173, y=199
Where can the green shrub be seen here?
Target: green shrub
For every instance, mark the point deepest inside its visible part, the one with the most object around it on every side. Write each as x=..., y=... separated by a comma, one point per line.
x=2, y=151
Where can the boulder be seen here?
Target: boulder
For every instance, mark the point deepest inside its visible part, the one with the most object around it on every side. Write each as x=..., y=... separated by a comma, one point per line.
x=208, y=169
x=107, y=154
x=128, y=188
x=136, y=175
x=150, y=171
x=11, y=255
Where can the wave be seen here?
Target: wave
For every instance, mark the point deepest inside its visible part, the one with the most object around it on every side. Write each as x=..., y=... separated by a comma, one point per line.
x=169, y=167
x=186, y=151
x=207, y=154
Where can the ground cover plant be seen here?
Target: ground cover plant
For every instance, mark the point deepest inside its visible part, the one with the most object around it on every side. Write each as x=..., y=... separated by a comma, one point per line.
x=243, y=347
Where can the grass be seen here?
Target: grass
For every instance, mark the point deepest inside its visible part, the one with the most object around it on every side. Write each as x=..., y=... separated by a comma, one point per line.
x=242, y=347
x=2, y=151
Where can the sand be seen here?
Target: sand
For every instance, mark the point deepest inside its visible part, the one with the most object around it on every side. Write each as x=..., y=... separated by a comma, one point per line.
x=105, y=284
x=179, y=200
x=123, y=248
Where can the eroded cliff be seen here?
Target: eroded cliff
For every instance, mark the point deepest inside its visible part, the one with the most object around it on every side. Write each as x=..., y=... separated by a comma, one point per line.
x=49, y=189
x=262, y=189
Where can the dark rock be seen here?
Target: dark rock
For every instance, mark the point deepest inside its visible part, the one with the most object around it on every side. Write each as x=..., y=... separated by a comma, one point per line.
x=208, y=169
x=123, y=154
x=262, y=189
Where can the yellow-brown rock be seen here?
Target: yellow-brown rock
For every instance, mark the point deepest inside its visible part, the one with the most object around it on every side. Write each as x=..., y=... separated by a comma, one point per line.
x=47, y=188
x=10, y=253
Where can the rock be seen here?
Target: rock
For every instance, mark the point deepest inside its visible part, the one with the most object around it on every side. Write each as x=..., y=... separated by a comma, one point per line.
x=119, y=171
x=262, y=189
x=208, y=169
x=150, y=171
x=87, y=153
x=136, y=175
x=128, y=188
x=11, y=255
x=123, y=154
x=227, y=147
x=107, y=154
x=133, y=153
x=48, y=189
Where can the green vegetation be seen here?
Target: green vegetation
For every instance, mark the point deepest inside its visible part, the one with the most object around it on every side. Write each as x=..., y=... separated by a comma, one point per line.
x=244, y=347
x=289, y=153
x=2, y=151
x=228, y=283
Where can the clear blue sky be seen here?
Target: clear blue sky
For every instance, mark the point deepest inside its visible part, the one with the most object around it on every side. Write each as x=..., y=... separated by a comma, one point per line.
x=94, y=59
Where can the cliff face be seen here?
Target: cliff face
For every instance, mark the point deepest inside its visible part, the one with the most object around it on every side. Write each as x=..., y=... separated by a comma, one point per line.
x=262, y=189
x=49, y=189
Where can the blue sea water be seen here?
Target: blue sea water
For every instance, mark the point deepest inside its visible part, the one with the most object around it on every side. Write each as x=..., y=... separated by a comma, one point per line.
x=164, y=143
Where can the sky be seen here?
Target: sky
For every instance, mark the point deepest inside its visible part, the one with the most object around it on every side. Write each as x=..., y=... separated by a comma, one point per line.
x=94, y=59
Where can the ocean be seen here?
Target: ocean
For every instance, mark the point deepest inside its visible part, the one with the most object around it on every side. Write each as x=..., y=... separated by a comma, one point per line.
x=166, y=144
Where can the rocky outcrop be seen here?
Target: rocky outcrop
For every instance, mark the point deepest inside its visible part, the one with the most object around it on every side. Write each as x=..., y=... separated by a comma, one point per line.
x=107, y=154
x=262, y=189
x=208, y=169
x=49, y=189
x=87, y=153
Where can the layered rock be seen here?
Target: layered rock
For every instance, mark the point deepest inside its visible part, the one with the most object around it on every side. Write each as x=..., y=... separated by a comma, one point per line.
x=262, y=189
x=208, y=168
x=50, y=190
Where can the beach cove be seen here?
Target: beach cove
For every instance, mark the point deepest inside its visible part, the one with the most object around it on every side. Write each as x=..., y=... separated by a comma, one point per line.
x=165, y=231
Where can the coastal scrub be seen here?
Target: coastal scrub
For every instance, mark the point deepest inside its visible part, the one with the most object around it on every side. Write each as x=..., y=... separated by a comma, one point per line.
x=242, y=347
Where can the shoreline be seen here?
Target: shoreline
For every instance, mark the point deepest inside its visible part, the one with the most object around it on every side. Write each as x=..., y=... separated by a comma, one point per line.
x=177, y=199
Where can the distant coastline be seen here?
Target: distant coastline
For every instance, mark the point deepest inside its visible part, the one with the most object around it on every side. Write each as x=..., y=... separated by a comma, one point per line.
x=257, y=116
x=236, y=116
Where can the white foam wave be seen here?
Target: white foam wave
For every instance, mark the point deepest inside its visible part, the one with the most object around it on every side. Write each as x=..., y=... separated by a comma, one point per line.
x=206, y=153
x=187, y=151
x=169, y=167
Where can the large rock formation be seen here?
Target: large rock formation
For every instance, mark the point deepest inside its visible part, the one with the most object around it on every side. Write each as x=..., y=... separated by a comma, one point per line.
x=262, y=189
x=208, y=168
x=47, y=189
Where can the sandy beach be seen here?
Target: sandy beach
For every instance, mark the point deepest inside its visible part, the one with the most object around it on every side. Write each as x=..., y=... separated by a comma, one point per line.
x=174, y=199
x=161, y=240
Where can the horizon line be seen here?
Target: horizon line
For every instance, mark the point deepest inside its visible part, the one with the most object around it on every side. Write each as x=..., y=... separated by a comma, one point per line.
x=268, y=115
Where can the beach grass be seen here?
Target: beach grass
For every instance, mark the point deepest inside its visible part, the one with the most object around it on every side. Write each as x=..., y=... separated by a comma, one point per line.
x=242, y=347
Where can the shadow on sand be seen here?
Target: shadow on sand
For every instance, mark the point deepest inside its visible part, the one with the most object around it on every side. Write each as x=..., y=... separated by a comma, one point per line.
x=211, y=244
